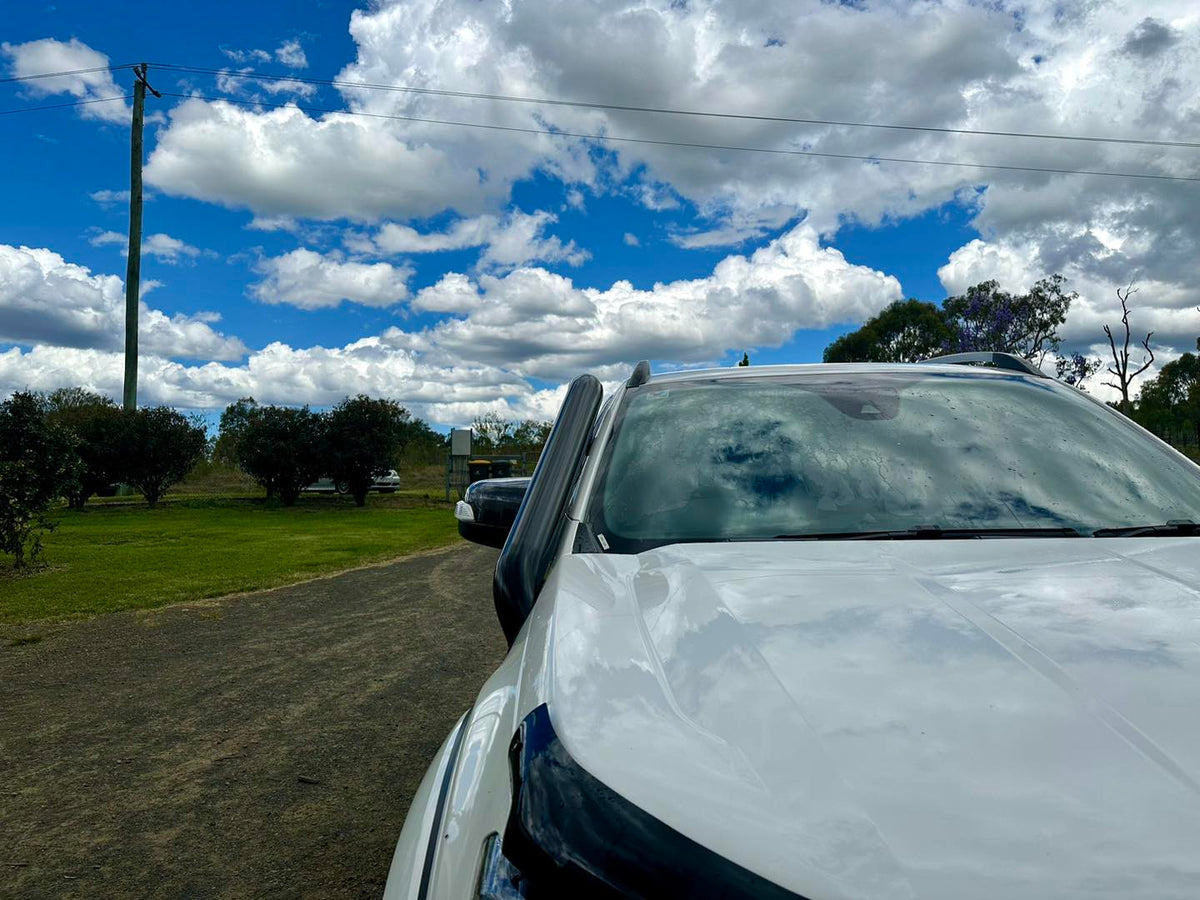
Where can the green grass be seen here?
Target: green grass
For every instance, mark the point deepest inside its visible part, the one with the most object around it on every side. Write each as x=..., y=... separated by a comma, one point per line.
x=111, y=557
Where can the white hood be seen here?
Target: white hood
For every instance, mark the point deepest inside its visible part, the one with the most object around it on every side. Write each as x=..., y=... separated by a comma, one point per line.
x=929, y=719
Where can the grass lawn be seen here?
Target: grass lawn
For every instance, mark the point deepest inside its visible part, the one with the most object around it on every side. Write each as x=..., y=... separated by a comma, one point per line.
x=111, y=557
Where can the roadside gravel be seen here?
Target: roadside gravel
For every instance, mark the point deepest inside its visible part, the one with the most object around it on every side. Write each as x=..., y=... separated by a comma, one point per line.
x=265, y=745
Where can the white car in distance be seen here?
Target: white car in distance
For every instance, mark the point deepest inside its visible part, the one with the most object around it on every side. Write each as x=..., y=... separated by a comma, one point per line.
x=387, y=483
x=833, y=632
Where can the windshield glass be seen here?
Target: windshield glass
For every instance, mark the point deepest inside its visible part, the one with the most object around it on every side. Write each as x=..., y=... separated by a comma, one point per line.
x=835, y=453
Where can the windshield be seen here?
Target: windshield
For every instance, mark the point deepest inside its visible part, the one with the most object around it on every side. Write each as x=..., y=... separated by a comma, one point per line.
x=834, y=453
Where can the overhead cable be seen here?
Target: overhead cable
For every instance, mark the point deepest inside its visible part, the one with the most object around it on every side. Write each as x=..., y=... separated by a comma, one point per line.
x=65, y=73
x=691, y=144
x=619, y=107
x=25, y=109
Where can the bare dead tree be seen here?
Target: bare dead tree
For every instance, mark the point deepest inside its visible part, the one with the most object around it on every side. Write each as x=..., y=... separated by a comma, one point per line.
x=1120, y=367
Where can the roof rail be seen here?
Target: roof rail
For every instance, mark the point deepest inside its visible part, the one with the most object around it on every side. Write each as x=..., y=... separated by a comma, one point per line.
x=1000, y=360
x=641, y=374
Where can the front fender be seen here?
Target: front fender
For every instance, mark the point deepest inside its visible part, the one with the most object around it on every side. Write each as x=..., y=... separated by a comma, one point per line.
x=411, y=869
x=466, y=792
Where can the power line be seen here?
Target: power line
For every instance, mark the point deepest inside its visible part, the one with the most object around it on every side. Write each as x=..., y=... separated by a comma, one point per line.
x=794, y=120
x=68, y=72
x=583, y=104
x=24, y=109
x=691, y=144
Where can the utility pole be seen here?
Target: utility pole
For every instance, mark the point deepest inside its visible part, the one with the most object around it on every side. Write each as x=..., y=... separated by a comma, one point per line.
x=133, y=269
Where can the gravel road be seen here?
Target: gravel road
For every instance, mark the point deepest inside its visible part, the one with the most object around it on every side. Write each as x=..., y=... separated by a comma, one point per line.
x=262, y=745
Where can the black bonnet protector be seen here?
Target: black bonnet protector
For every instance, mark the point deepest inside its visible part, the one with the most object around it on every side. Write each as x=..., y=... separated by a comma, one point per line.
x=572, y=836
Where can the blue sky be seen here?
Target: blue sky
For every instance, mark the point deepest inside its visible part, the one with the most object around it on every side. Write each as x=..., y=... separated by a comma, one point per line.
x=469, y=272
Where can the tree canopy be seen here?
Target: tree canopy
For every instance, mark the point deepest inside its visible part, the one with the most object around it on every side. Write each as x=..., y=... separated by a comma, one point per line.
x=983, y=318
x=38, y=464
x=160, y=445
x=905, y=331
x=282, y=448
x=987, y=318
x=363, y=440
x=234, y=420
x=492, y=434
x=1169, y=403
x=97, y=424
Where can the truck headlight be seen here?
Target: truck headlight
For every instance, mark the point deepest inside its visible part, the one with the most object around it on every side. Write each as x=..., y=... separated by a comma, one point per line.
x=570, y=835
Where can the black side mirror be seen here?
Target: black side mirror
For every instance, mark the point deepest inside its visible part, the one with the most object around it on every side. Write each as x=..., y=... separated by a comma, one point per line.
x=531, y=547
x=486, y=512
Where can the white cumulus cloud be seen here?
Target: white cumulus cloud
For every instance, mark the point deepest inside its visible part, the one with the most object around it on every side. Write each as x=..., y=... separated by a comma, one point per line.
x=504, y=332
x=110, y=197
x=508, y=241
x=1097, y=68
x=291, y=54
x=246, y=56
x=540, y=324
x=241, y=83
x=46, y=300
x=161, y=246
x=284, y=163
x=278, y=373
x=49, y=55
x=311, y=280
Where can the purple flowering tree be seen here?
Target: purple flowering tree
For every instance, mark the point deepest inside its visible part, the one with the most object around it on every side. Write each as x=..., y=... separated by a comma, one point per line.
x=1075, y=369
x=989, y=319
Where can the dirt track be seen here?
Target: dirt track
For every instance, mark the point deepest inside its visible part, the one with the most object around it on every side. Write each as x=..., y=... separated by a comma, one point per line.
x=265, y=745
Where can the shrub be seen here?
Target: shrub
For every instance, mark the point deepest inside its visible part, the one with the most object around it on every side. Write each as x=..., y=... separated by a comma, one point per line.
x=283, y=449
x=363, y=439
x=97, y=424
x=234, y=421
x=38, y=464
x=159, y=446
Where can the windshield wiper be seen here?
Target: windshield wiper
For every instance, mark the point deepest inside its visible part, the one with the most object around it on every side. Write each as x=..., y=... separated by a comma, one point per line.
x=931, y=533
x=1172, y=528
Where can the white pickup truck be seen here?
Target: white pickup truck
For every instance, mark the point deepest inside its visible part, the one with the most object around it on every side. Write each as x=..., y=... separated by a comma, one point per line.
x=833, y=631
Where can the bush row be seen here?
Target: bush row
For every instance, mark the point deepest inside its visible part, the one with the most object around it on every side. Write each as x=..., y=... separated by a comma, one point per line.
x=73, y=444
x=285, y=449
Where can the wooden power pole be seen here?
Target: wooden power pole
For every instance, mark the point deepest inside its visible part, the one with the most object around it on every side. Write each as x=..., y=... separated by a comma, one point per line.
x=133, y=269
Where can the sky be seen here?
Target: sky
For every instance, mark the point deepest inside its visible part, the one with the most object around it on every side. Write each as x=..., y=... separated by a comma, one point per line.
x=304, y=241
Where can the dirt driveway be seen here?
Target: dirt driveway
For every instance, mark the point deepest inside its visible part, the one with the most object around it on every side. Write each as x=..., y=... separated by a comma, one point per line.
x=265, y=745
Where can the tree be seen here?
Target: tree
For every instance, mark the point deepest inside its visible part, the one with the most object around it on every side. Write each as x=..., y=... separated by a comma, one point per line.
x=160, y=445
x=420, y=445
x=745, y=360
x=530, y=436
x=37, y=464
x=1075, y=369
x=984, y=318
x=989, y=319
x=362, y=439
x=233, y=423
x=417, y=433
x=411, y=431
x=1120, y=367
x=1169, y=403
x=97, y=423
x=283, y=449
x=490, y=433
x=905, y=331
